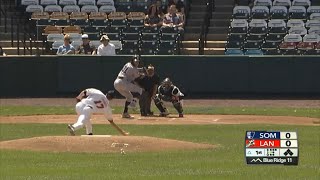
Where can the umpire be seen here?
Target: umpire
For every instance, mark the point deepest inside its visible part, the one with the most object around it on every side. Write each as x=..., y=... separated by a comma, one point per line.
x=150, y=84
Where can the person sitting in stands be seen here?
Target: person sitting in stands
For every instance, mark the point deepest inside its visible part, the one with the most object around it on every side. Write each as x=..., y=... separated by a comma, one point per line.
x=153, y=17
x=66, y=48
x=173, y=19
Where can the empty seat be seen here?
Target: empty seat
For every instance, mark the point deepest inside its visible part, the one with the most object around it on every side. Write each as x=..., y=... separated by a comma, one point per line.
x=235, y=52
x=263, y=3
x=41, y=18
x=152, y=44
x=107, y=9
x=279, y=12
x=255, y=37
x=49, y=2
x=295, y=23
x=274, y=37
x=67, y=2
x=252, y=45
x=260, y=12
x=309, y=42
x=239, y=26
x=136, y=19
x=71, y=8
x=236, y=37
x=72, y=29
x=290, y=41
x=117, y=19
x=105, y=3
x=52, y=30
x=56, y=45
x=305, y=3
x=315, y=16
x=60, y=18
x=234, y=44
x=258, y=26
x=79, y=19
x=149, y=29
x=53, y=8
x=34, y=8
x=89, y=8
x=313, y=23
x=124, y=5
x=273, y=52
x=241, y=12
x=54, y=37
x=29, y=2
x=286, y=3
x=270, y=45
x=112, y=30
x=298, y=30
x=297, y=12
x=277, y=26
x=314, y=30
x=149, y=37
x=253, y=52
x=87, y=2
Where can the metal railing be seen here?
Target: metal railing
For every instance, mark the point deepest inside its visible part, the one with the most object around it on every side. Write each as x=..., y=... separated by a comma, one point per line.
x=210, y=6
x=3, y=14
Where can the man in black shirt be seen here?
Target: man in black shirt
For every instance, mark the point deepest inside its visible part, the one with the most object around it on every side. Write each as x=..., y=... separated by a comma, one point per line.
x=149, y=83
x=85, y=47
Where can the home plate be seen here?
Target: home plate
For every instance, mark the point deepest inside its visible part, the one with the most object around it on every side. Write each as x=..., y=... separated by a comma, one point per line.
x=96, y=135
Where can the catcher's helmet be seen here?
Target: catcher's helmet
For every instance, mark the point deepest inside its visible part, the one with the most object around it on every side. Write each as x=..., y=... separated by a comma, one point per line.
x=110, y=94
x=166, y=82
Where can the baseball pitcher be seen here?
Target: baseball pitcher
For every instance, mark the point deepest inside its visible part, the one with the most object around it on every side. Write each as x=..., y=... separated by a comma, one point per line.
x=125, y=84
x=91, y=101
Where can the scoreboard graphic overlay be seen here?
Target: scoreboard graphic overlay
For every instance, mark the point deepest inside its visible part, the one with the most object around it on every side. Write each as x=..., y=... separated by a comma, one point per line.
x=265, y=147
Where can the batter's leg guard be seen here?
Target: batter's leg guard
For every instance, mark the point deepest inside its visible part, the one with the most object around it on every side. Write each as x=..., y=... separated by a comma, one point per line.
x=159, y=104
x=177, y=105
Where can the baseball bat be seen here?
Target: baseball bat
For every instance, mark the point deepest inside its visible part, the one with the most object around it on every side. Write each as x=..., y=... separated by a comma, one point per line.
x=118, y=128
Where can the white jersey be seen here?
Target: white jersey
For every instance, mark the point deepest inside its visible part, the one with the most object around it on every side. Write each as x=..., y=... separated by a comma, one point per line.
x=129, y=72
x=98, y=102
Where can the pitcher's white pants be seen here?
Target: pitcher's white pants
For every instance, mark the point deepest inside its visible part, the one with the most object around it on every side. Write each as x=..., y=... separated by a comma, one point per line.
x=125, y=88
x=84, y=111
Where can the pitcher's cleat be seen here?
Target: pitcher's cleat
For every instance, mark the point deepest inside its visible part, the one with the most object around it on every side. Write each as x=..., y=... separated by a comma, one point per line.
x=90, y=134
x=180, y=115
x=127, y=116
x=71, y=130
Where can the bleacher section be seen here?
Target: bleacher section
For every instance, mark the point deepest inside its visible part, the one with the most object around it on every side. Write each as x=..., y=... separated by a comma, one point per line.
x=278, y=27
x=121, y=20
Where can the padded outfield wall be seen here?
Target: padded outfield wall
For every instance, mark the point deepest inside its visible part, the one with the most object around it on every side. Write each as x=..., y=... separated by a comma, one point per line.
x=51, y=76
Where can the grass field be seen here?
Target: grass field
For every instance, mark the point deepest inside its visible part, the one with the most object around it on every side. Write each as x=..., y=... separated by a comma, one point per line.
x=225, y=162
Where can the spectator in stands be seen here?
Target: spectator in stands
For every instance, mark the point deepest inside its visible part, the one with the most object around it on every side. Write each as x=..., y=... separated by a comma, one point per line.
x=2, y=53
x=179, y=5
x=173, y=19
x=158, y=4
x=106, y=48
x=153, y=17
x=66, y=48
x=85, y=47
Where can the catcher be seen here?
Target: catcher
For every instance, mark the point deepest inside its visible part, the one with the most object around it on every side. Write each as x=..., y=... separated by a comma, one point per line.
x=93, y=101
x=170, y=93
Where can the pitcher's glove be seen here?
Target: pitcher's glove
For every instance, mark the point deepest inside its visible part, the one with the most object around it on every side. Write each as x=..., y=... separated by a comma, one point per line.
x=78, y=100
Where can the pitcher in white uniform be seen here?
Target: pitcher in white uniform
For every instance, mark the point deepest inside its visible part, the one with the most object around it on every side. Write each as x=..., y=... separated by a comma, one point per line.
x=125, y=84
x=91, y=101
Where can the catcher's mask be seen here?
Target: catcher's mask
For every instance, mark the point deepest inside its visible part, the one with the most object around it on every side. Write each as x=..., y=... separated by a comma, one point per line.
x=110, y=94
x=166, y=83
x=135, y=61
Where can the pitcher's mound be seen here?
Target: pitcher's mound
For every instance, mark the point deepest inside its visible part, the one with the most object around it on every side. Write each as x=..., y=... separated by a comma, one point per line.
x=100, y=144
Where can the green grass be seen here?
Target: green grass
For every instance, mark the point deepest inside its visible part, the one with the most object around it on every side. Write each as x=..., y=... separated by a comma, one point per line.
x=225, y=162
x=269, y=111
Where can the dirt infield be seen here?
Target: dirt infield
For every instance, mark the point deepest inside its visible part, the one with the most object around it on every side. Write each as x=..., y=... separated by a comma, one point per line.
x=101, y=144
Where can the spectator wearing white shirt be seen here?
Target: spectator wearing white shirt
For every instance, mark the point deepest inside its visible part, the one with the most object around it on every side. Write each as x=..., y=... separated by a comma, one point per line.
x=106, y=48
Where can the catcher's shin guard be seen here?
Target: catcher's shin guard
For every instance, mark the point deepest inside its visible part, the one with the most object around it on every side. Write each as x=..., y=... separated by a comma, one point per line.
x=177, y=105
x=159, y=104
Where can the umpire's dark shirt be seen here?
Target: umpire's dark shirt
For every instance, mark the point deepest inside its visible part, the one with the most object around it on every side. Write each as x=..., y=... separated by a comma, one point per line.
x=148, y=82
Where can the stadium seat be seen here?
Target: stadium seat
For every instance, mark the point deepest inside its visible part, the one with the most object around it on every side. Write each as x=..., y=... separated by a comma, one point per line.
x=52, y=30
x=252, y=52
x=91, y=30
x=130, y=46
x=239, y=26
x=117, y=19
x=29, y=2
x=295, y=23
x=241, y=12
x=297, y=12
x=34, y=8
x=72, y=29
x=53, y=8
x=313, y=9
x=93, y=37
x=165, y=51
x=79, y=19
x=71, y=8
x=76, y=44
x=57, y=44
x=55, y=37
x=75, y=36
x=312, y=23
x=41, y=18
x=314, y=30
x=290, y=42
x=260, y=12
x=298, y=30
x=267, y=3
x=98, y=19
x=236, y=37
x=274, y=37
x=279, y=12
x=60, y=18
x=67, y=2
x=107, y=9
x=89, y=8
x=105, y=3
x=273, y=52
x=258, y=26
x=252, y=45
x=235, y=52
x=49, y=2
x=234, y=45
x=309, y=42
x=136, y=19
x=87, y=2
x=286, y=3
x=277, y=26
x=305, y=3
x=124, y=5
x=315, y=16
x=268, y=45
